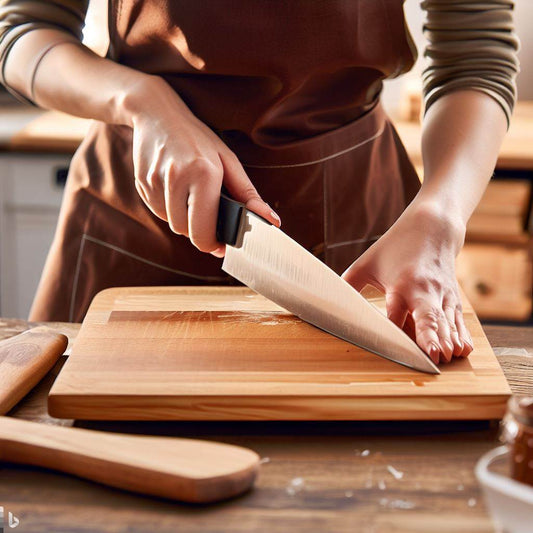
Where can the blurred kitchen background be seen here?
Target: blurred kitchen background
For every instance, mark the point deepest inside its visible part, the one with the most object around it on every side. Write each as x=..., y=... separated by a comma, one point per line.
x=495, y=267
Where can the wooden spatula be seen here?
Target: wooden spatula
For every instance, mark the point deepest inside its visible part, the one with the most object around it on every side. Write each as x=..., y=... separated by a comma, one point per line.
x=181, y=469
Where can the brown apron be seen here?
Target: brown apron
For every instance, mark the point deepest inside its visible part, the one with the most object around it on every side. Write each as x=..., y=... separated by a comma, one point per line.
x=292, y=87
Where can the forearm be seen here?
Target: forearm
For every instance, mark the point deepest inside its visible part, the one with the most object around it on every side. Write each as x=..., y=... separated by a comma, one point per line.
x=73, y=79
x=462, y=135
x=179, y=163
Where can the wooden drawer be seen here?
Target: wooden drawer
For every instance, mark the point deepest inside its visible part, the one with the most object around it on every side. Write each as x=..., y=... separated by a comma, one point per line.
x=502, y=213
x=497, y=280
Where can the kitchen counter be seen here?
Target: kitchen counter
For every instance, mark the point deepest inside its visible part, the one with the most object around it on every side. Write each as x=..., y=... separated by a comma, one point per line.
x=315, y=476
x=29, y=129
x=34, y=130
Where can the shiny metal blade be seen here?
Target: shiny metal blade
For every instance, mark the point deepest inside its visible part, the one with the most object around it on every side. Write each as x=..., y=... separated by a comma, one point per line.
x=274, y=265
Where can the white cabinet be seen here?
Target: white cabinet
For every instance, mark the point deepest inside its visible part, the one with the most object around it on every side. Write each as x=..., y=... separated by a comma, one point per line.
x=30, y=197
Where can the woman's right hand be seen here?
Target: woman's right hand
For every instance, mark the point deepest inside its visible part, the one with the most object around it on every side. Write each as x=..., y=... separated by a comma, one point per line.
x=180, y=166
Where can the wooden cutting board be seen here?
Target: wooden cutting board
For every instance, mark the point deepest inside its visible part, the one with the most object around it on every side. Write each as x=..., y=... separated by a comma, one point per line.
x=200, y=353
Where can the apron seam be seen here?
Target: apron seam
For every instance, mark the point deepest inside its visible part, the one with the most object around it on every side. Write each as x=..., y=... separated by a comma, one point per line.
x=115, y=248
x=76, y=279
x=325, y=211
x=327, y=158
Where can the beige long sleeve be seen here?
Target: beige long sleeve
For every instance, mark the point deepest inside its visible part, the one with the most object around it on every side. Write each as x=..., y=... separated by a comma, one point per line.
x=471, y=43
x=18, y=17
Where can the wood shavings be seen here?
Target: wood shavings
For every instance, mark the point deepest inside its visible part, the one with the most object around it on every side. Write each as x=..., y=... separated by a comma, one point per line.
x=295, y=486
x=396, y=504
x=394, y=472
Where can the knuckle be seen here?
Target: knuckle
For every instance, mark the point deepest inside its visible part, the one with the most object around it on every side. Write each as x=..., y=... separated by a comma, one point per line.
x=172, y=168
x=430, y=283
x=232, y=157
x=418, y=282
x=203, y=168
x=395, y=297
x=429, y=318
x=249, y=192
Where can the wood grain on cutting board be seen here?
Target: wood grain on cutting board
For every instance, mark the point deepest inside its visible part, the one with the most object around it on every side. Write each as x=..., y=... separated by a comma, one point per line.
x=225, y=353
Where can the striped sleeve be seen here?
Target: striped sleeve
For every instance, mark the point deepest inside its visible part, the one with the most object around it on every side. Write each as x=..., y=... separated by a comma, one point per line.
x=18, y=17
x=471, y=45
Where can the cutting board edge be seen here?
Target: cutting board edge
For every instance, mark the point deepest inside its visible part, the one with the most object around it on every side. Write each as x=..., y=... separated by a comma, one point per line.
x=72, y=406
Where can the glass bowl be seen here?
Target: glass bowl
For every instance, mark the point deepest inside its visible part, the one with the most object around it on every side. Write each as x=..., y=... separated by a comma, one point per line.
x=510, y=503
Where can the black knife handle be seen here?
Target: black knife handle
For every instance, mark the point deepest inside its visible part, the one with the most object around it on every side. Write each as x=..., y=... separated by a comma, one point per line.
x=229, y=218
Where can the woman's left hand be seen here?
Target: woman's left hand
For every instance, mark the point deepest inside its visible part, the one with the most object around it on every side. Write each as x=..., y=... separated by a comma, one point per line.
x=414, y=264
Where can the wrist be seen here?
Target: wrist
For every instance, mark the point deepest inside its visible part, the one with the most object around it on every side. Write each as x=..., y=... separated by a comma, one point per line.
x=137, y=99
x=441, y=220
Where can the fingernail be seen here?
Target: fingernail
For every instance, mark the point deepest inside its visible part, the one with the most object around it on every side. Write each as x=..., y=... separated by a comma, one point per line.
x=449, y=345
x=434, y=351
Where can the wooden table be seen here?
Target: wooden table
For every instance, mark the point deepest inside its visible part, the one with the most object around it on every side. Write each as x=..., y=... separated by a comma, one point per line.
x=316, y=476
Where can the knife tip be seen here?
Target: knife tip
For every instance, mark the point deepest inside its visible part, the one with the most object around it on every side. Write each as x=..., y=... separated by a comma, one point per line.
x=431, y=368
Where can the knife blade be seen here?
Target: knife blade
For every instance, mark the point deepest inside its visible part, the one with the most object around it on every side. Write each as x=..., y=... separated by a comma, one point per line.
x=268, y=261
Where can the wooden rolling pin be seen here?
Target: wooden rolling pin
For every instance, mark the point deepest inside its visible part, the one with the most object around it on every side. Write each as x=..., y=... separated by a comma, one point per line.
x=181, y=469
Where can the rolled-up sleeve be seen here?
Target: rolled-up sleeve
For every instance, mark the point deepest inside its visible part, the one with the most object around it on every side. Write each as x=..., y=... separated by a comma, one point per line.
x=471, y=45
x=18, y=17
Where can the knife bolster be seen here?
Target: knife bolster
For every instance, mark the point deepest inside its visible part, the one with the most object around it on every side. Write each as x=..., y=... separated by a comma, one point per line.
x=229, y=219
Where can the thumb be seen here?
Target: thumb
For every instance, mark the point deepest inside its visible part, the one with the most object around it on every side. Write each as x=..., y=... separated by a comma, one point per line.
x=358, y=275
x=242, y=189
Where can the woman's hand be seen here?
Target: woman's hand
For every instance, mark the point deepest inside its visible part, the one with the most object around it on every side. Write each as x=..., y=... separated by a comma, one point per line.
x=180, y=166
x=414, y=264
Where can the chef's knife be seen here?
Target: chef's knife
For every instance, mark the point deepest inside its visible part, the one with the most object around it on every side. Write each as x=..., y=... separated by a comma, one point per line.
x=268, y=261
